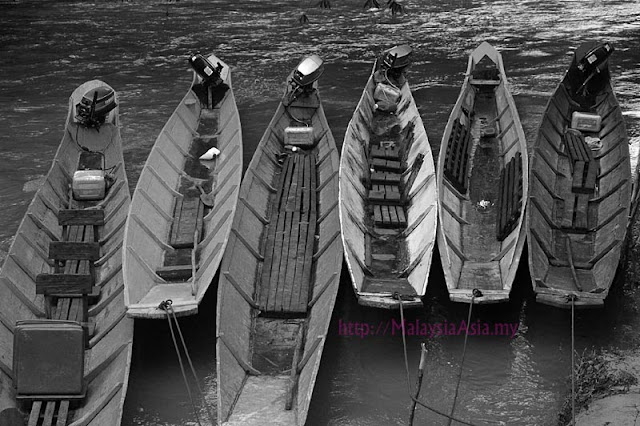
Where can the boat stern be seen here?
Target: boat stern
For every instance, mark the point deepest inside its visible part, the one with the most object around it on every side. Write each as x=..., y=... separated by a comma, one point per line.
x=488, y=296
x=387, y=301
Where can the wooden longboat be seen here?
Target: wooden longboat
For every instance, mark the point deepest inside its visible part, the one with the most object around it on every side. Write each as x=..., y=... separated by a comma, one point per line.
x=280, y=274
x=482, y=185
x=55, y=217
x=388, y=197
x=173, y=241
x=580, y=193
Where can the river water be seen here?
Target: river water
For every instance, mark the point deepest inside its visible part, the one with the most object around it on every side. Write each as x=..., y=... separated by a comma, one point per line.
x=139, y=47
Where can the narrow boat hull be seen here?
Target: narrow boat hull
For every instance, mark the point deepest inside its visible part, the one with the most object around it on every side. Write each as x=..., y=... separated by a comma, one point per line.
x=272, y=317
x=388, y=209
x=580, y=196
x=174, y=241
x=482, y=185
x=108, y=353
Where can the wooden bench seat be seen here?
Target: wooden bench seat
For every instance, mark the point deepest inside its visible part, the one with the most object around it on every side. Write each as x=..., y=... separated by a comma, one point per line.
x=457, y=158
x=389, y=216
x=187, y=218
x=392, y=153
x=385, y=178
x=290, y=240
x=385, y=194
x=381, y=164
x=510, y=197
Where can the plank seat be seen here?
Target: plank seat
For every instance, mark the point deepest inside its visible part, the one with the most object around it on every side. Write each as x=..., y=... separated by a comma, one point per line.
x=386, y=194
x=381, y=164
x=187, y=219
x=392, y=153
x=457, y=158
x=70, y=217
x=175, y=272
x=290, y=240
x=386, y=216
x=583, y=165
x=509, y=197
x=385, y=178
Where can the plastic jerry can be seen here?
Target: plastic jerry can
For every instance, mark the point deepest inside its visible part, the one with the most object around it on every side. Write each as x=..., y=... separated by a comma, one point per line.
x=89, y=185
x=298, y=136
x=48, y=358
x=586, y=122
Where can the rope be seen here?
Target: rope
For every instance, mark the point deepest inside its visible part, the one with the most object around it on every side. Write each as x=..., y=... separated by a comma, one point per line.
x=166, y=306
x=573, y=365
x=406, y=364
x=475, y=293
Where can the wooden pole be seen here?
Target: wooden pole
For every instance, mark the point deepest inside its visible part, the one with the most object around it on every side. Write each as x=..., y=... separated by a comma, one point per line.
x=423, y=361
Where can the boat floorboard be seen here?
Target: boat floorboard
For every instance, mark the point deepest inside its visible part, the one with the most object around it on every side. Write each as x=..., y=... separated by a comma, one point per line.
x=262, y=398
x=286, y=274
x=480, y=242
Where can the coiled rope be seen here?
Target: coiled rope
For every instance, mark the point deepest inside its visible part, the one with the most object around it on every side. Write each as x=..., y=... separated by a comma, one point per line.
x=171, y=315
x=406, y=366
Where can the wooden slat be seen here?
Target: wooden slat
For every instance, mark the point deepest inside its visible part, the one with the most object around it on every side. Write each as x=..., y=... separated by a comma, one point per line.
x=49, y=284
x=63, y=412
x=273, y=246
x=68, y=217
x=68, y=250
x=48, y=413
x=35, y=413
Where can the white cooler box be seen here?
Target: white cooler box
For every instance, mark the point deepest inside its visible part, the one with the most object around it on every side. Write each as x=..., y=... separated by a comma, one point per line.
x=299, y=136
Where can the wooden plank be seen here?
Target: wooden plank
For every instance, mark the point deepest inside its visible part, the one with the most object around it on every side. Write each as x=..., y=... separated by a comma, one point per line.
x=272, y=286
x=311, y=233
x=393, y=215
x=34, y=415
x=377, y=214
x=185, y=225
x=402, y=219
x=464, y=162
x=386, y=219
x=175, y=272
x=48, y=413
x=305, y=227
x=175, y=226
x=269, y=245
x=385, y=178
x=68, y=217
x=66, y=250
x=578, y=174
x=63, y=412
x=290, y=295
x=49, y=284
x=592, y=174
x=502, y=208
x=581, y=212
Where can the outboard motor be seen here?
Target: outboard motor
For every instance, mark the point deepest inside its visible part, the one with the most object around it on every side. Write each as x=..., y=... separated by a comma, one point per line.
x=95, y=105
x=209, y=74
x=594, y=58
x=397, y=58
x=308, y=71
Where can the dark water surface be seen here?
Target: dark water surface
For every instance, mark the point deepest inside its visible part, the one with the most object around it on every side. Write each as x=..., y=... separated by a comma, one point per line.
x=47, y=49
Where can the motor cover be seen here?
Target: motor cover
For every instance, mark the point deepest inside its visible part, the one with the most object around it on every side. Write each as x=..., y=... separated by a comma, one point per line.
x=95, y=105
x=205, y=69
x=397, y=57
x=308, y=70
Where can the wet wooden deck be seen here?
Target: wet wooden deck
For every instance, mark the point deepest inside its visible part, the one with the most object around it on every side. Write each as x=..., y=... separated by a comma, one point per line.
x=286, y=274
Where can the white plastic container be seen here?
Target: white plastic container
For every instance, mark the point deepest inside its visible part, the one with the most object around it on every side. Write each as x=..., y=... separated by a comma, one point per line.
x=586, y=122
x=89, y=185
x=298, y=136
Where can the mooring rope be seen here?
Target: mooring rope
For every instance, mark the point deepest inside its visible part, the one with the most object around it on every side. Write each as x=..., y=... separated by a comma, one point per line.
x=166, y=306
x=573, y=363
x=406, y=365
x=474, y=293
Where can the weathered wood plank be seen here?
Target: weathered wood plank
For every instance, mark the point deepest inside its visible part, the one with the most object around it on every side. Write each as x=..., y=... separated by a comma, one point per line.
x=68, y=217
x=68, y=250
x=49, y=284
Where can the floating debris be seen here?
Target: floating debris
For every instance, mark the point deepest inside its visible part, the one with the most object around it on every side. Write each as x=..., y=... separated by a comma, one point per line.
x=371, y=4
x=303, y=19
x=324, y=4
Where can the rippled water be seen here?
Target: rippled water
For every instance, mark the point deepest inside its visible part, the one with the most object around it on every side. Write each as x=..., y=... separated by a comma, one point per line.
x=48, y=48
